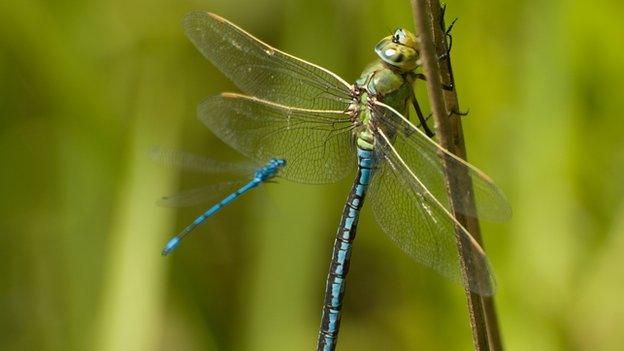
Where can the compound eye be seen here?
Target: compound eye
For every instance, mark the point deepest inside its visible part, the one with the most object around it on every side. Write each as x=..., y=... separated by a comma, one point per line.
x=401, y=37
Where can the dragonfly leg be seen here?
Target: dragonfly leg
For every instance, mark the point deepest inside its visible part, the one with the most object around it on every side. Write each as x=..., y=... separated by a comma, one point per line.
x=442, y=12
x=446, y=56
x=447, y=31
x=449, y=39
x=459, y=113
x=448, y=87
x=421, y=117
x=441, y=58
x=420, y=76
x=427, y=118
x=423, y=120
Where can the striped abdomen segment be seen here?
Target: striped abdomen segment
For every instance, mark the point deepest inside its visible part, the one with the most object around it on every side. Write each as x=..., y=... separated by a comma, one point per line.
x=176, y=240
x=339, y=266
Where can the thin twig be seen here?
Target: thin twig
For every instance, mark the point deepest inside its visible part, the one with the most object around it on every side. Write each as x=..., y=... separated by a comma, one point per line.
x=445, y=107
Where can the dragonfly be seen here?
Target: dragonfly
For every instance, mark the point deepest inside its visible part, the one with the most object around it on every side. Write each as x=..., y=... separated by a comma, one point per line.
x=328, y=129
x=182, y=159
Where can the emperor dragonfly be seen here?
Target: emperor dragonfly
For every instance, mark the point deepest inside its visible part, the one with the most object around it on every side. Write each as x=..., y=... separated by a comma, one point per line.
x=324, y=127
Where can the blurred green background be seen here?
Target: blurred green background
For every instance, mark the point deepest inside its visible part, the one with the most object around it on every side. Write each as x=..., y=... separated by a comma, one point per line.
x=88, y=87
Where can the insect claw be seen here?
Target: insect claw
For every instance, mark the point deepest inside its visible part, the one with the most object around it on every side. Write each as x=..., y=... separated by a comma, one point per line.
x=450, y=27
x=448, y=87
x=459, y=113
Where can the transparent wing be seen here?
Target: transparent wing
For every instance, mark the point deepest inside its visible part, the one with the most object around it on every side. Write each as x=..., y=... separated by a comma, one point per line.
x=180, y=159
x=315, y=144
x=423, y=156
x=203, y=195
x=421, y=226
x=261, y=70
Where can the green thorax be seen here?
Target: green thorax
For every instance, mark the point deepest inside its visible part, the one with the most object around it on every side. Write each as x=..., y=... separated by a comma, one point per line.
x=386, y=85
x=388, y=80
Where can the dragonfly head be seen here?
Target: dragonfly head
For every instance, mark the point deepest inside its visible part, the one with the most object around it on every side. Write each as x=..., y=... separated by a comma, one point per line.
x=270, y=170
x=399, y=50
x=277, y=162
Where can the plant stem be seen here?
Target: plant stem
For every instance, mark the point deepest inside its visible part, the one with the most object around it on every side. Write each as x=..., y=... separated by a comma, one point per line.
x=444, y=105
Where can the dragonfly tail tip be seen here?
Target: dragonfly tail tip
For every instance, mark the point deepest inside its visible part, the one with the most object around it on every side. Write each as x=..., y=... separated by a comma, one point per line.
x=171, y=245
